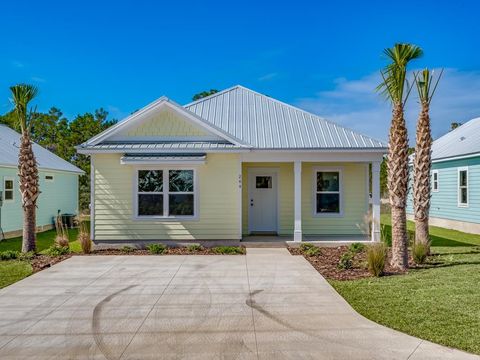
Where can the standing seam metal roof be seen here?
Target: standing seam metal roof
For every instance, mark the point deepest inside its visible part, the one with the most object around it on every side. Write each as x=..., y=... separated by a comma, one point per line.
x=9, y=149
x=267, y=123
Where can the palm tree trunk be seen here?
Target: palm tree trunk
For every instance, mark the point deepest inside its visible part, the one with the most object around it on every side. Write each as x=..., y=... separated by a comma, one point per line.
x=422, y=166
x=398, y=186
x=29, y=189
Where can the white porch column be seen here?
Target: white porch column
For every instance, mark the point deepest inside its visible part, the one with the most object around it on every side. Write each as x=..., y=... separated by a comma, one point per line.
x=376, y=201
x=297, y=169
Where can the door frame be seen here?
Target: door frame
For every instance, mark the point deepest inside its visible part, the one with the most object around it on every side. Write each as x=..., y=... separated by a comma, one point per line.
x=251, y=171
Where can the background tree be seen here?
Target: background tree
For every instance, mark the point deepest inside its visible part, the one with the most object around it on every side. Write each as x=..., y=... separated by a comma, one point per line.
x=455, y=125
x=393, y=87
x=203, y=94
x=22, y=94
x=423, y=158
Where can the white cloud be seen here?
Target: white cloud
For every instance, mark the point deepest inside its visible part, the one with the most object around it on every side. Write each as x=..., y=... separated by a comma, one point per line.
x=356, y=104
x=267, y=77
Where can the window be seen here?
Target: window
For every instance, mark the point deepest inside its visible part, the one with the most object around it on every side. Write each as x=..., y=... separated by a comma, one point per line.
x=8, y=188
x=263, y=182
x=328, y=192
x=49, y=178
x=435, y=180
x=165, y=193
x=463, y=187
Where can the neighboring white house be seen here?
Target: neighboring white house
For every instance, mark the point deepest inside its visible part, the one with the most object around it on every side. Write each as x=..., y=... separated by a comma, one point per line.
x=58, y=185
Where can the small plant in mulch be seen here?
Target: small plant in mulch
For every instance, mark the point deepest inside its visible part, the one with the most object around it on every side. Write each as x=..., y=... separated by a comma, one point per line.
x=9, y=255
x=127, y=249
x=195, y=248
x=356, y=248
x=56, y=250
x=420, y=252
x=156, y=248
x=376, y=258
x=84, y=238
x=346, y=260
x=61, y=239
x=228, y=250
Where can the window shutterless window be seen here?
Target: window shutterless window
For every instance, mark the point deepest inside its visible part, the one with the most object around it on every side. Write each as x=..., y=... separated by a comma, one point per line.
x=435, y=180
x=166, y=193
x=463, y=187
x=8, y=188
x=328, y=192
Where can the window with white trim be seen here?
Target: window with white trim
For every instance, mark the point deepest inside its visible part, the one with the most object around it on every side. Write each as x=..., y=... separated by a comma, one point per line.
x=463, y=187
x=166, y=193
x=435, y=180
x=8, y=188
x=327, y=192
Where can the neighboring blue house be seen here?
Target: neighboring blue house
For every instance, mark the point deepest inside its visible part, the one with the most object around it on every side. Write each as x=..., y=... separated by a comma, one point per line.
x=58, y=185
x=455, y=195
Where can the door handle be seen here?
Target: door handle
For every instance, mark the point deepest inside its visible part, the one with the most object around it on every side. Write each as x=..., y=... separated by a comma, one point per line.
x=251, y=202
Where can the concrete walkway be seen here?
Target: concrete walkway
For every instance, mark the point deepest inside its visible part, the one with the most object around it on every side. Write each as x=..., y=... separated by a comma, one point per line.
x=266, y=305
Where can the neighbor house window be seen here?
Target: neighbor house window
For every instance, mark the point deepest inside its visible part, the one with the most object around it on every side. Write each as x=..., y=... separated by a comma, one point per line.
x=463, y=187
x=8, y=188
x=435, y=180
x=166, y=193
x=328, y=192
x=49, y=178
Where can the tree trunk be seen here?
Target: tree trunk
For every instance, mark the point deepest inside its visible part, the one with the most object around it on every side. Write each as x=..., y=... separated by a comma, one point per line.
x=398, y=186
x=421, y=184
x=29, y=189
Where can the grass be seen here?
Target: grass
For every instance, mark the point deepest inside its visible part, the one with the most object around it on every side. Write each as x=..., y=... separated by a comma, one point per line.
x=438, y=303
x=12, y=271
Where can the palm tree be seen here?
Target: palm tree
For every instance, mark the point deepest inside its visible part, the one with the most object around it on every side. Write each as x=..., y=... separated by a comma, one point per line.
x=27, y=165
x=423, y=159
x=396, y=89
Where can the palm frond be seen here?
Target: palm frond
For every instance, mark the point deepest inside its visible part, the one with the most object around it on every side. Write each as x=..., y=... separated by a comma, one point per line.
x=424, y=81
x=22, y=94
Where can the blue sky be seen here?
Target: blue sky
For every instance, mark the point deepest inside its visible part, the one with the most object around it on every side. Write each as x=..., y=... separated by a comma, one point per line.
x=321, y=56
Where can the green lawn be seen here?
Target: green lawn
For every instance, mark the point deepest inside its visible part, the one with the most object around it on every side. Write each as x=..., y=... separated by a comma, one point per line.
x=15, y=270
x=438, y=303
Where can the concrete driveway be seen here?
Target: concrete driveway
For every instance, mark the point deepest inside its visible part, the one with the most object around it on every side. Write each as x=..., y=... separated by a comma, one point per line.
x=266, y=305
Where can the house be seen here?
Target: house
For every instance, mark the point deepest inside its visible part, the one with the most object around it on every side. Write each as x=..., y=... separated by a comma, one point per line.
x=231, y=165
x=455, y=181
x=58, y=186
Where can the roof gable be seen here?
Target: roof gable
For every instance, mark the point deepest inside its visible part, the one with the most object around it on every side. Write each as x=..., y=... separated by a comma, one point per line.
x=165, y=119
x=46, y=160
x=267, y=123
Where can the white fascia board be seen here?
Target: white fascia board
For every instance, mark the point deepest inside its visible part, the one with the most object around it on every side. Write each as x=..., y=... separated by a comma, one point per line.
x=459, y=157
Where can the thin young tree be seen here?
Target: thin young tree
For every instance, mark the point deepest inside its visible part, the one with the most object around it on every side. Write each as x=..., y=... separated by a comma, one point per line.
x=423, y=159
x=396, y=88
x=22, y=94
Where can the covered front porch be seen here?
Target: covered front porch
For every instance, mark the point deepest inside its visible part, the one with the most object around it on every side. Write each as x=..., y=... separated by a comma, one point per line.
x=325, y=199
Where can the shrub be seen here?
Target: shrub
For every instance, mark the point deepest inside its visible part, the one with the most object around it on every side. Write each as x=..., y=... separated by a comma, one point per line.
x=156, y=248
x=194, y=247
x=56, y=250
x=313, y=251
x=356, y=248
x=26, y=256
x=346, y=261
x=84, y=237
x=420, y=252
x=61, y=240
x=228, y=250
x=127, y=249
x=306, y=246
x=9, y=255
x=376, y=255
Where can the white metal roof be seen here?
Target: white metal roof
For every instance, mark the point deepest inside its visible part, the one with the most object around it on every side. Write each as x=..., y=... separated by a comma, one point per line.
x=266, y=123
x=46, y=160
x=464, y=140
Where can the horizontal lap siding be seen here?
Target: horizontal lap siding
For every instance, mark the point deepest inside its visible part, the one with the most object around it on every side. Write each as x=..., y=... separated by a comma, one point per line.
x=61, y=194
x=444, y=203
x=355, y=201
x=218, y=203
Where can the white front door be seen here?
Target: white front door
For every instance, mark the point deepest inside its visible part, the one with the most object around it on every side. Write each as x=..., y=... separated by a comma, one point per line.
x=262, y=201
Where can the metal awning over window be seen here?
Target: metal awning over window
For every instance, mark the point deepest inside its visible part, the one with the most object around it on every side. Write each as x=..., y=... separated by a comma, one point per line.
x=161, y=159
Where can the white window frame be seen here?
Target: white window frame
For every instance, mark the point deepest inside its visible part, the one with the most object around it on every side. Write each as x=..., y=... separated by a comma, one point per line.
x=435, y=172
x=315, y=192
x=459, y=193
x=5, y=179
x=166, y=194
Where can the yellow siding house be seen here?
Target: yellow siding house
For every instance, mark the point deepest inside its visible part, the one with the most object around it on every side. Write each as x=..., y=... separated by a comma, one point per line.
x=235, y=165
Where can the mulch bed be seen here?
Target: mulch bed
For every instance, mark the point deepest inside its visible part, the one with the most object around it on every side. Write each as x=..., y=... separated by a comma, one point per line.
x=40, y=262
x=326, y=263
